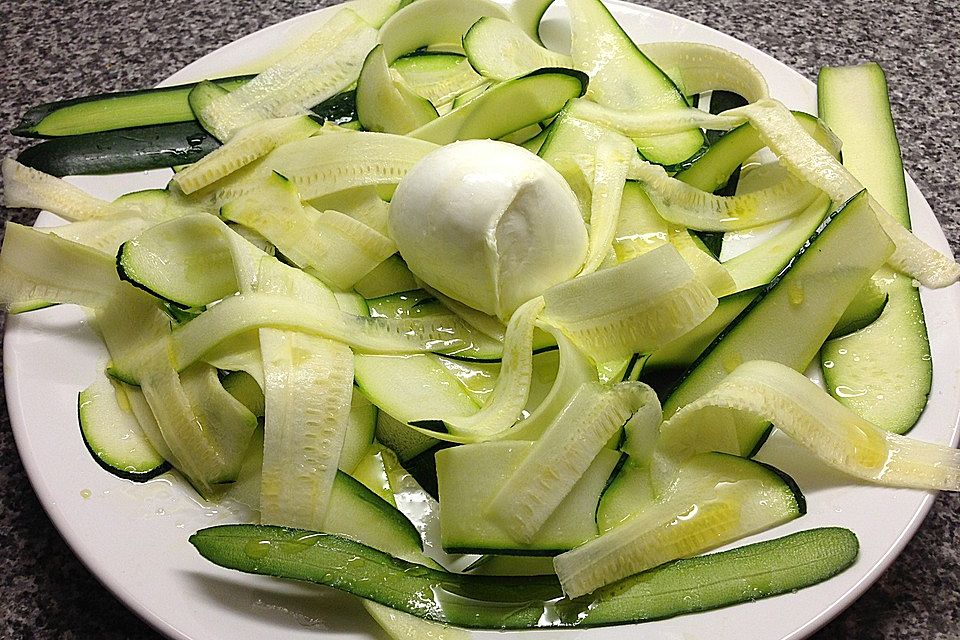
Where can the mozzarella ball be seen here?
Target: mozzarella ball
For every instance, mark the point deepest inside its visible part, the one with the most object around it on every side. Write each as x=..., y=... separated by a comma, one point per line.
x=489, y=224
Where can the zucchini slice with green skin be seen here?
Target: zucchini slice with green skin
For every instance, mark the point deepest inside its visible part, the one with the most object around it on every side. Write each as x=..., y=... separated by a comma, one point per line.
x=141, y=148
x=715, y=499
x=507, y=107
x=187, y=261
x=427, y=23
x=438, y=77
x=113, y=435
x=744, y=574
x=622, y=77
x=791, y=318
x=464, y=494
x=385, y=105
x=121, y=150
x=118, y=110
x=883, y=372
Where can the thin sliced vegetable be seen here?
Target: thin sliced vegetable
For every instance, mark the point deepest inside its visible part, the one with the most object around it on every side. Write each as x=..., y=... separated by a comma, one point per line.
x=803, y=156
x=563, y=453
x=325, y=64
x=249, y=144
x=696, y=67
x=812, y=418
x=621, y=320
x=384, y=105
x=711, y=581
x=24, y=186
x=714, y=500
x=884, y=372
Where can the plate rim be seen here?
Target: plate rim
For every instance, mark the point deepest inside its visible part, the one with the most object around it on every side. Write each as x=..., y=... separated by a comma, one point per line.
x=49, y=502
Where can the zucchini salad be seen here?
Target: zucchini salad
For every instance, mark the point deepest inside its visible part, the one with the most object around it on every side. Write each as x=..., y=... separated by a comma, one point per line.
x=465, y=322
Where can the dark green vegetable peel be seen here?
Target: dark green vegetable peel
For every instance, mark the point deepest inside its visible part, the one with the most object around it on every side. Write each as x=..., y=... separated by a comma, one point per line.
x=716, y=580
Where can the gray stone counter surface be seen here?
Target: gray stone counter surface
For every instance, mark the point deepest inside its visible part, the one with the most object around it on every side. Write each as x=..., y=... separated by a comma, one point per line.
x=58, y=49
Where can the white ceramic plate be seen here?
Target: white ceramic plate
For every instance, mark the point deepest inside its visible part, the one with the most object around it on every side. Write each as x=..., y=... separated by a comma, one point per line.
x=134, y=537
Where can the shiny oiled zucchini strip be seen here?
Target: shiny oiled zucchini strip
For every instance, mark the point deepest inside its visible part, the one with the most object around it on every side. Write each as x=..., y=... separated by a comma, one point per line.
x=309, y=381
x=250, y=143
x=714, y=499
x=39, y=269
x=690, y=207
x=634, y=307
x=563, y=453
x=698, y=67
x=610, y=165
x=237, y=314
x=758, y=570
x=335, y=161
x=26, y=187
x=758, y=266
x=816, y=421
x=189, y=261
x=509, y=396
x=641, y=124
x=622, y=77
x=804, y=157
x=325, y=64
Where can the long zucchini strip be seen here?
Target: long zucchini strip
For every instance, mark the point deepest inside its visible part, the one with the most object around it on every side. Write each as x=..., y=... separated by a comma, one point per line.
x=634, y=307
x=754, y=268
x=325, y=64
x=696, y=67
x=237, y=314
x=610, y=165
x=309, y=382
x=690, y=207
x=754, y=571
x=39, y=269
x=640, y=124
x=854, y=101
x=509, y=396
x=107, y=111
x=707, y=506
x=804, y=157
x=837, y=436
x=336, y=161
x=26, y=187
x=249, y=144
x=563, y=453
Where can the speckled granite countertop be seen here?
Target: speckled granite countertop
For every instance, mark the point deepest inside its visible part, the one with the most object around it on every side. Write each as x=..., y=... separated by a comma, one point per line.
x=73, y=47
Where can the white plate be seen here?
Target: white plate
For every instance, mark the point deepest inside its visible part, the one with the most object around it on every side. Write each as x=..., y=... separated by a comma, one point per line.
x=134, y=537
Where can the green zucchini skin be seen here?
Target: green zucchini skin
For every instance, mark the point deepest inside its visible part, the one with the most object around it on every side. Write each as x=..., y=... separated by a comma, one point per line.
x=97, y=112
x=756, y=326
x=121, y=150
x=144, y=148
x=522, y=602
x=107, y=456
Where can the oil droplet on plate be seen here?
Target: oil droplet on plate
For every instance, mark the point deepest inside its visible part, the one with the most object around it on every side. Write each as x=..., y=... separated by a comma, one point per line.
x=85, y=493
